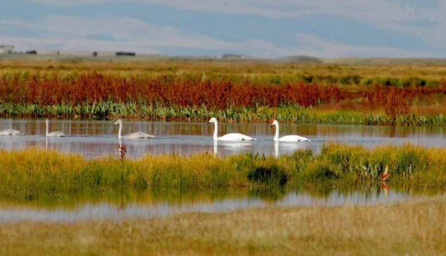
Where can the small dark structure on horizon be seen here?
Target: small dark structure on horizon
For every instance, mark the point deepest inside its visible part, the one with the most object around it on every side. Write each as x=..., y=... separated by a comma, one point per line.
x=31, y=52
x=125, y=54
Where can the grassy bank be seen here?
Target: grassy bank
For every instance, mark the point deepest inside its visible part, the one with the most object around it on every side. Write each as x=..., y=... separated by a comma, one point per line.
x=31, y=174
x=414, y=228
x=290, y=114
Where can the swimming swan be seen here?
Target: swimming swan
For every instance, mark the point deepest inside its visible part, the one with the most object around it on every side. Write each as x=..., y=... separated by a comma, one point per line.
x=289, y=138
x=230, y=136
x=132, y=136
x=10, y=132
x=52, y=134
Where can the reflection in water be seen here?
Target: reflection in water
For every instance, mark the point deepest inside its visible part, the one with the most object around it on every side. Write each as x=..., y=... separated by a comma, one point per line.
x=287, y=148
x=228, y=147
x=98, y=138
x=215, y=148
x=122, y=149
x=158, y=203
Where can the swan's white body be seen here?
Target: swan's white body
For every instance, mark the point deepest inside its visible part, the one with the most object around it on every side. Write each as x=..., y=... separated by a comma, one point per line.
x=10, y=132
x=52, y=134
x=228, y=137
x=132, y=136
x=288, y=138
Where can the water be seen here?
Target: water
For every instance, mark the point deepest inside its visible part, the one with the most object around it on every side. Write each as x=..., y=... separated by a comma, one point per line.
x=165, y=203
x=98, y=138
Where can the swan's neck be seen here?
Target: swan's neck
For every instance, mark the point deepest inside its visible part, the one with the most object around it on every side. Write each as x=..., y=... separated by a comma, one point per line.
x=276, y=136
x=47, y=127
x=120, y=131
x=215, y=130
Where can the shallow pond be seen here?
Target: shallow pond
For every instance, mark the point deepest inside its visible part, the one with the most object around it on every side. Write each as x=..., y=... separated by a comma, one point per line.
x=149, y=204
x=99, y=138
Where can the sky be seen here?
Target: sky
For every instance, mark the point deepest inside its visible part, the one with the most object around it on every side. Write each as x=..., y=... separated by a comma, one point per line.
x=258, y=28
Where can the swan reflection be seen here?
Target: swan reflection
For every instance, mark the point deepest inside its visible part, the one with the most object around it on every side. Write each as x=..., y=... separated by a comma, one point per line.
x=237, y=147
x=287, y=148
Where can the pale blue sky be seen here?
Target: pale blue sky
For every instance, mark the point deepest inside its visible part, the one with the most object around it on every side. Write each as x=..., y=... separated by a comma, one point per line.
x=261, y=28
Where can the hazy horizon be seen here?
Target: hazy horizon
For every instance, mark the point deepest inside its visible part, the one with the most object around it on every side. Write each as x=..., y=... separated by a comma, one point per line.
x=257, y=28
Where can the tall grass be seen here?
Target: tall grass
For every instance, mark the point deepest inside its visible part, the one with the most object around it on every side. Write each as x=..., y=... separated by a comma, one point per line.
x=108, y=94
x=29, y=173
x=166, y=90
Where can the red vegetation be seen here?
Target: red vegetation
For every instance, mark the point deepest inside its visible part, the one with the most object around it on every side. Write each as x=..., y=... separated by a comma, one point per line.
x=165, y=90
x=186, y=91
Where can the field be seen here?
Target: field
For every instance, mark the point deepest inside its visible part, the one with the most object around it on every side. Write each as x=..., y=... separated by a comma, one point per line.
x=234, y=91
x=345, y=91
x=414, y=228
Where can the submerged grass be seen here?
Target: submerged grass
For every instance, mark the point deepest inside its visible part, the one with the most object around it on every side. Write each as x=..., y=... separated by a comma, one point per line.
x=33, y=173
x=413, y=228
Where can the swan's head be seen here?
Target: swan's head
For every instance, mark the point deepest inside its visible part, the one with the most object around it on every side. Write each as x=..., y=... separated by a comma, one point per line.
x=119, y=121
x=213, y=120
x=274, y=123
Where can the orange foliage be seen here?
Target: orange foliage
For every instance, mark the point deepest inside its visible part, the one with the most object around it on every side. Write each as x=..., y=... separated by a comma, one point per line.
x=165, y=90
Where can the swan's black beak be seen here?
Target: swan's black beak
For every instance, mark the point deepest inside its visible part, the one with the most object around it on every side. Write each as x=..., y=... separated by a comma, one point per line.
x=272, y=126
x=209, y=123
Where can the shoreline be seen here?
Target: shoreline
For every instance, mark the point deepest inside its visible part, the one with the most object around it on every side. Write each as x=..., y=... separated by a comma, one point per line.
x=292, y=115
x=415, y=227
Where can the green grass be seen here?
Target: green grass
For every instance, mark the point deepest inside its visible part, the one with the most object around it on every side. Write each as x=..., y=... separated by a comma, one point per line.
x=29, y=174
x=290, y=114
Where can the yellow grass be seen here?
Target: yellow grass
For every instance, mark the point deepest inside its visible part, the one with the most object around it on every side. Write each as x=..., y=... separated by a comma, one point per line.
x=415, y=228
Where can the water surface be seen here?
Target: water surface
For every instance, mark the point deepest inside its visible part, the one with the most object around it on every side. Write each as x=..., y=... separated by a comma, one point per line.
x=99, y=138
x=165, y=203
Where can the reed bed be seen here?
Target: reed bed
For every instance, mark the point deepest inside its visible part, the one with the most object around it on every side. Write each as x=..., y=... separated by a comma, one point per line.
x=195, y=96
x=32, y=173
x=413, y=228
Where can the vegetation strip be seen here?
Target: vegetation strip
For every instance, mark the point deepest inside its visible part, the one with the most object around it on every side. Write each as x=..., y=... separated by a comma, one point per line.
x=292, y=93
x=32, y=173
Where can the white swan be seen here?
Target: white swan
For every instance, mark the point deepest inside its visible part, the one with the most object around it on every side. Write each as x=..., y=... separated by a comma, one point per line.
x=132, y=136
x=289, y=138
x=230, y=136
x=10, y=132
x=52, y=134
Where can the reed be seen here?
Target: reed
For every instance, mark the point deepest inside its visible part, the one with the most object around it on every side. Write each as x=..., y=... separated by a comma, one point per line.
x=425, y=116
x=32, y=173
x=108, y=94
